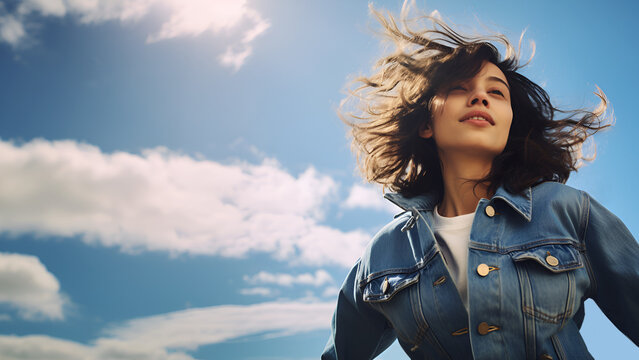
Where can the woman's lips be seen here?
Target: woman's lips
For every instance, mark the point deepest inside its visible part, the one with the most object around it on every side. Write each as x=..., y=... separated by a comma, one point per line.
x=479, y=121
x=478, y=118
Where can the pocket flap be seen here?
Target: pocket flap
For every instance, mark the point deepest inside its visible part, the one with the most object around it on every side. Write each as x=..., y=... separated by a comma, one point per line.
x=554, y=257
x=385, y=287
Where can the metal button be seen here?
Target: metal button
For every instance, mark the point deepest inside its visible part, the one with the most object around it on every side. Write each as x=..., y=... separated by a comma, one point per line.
x=490, y=211
x=385, y=286
x=483, y=269
x=483, y=328
x=552, y=261
x=545, y=357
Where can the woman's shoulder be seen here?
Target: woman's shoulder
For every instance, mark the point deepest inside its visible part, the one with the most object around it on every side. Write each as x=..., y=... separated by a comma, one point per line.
x=390, y=248
x=559, y=209
x=553, y=188
x=555, y=195
x=390, y=236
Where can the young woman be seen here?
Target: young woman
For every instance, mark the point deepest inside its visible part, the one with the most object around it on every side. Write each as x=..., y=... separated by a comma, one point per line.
x=493, y=256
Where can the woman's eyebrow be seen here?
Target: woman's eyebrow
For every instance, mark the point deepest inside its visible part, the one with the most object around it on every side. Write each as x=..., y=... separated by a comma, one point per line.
x=495, y=78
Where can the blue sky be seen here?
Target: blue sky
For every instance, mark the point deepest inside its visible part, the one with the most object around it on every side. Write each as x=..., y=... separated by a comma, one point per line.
x=176, y=183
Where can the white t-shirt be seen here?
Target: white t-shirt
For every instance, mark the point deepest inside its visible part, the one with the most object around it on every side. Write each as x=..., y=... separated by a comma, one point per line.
x=453, y=236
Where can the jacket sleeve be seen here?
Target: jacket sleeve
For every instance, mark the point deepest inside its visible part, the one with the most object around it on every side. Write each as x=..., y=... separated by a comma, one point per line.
x=358, y=331
x=613, y=255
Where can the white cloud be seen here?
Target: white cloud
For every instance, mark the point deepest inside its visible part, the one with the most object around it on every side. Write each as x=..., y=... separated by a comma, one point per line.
x=34, y=347
x=261, y=291
x=320, y=278
x=188, y=329
x=368, y=197
x=190, y=18
x=168, y=336
x=44, y=7
x=117, y=350
x=26, y=285
x=235, y=57
x=331, y=291
x=38, y=347
x=194, y=17
x=164, y=201
x=11, y=30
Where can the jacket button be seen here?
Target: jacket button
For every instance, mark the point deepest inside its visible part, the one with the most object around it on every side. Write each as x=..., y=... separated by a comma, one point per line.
x=545, y=357
x=490, y=211
x=483, y=270
x=385, y=286
x=482, y=329
x=552, y=261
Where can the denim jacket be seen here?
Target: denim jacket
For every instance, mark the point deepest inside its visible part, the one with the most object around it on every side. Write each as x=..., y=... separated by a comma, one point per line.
x=533, y=259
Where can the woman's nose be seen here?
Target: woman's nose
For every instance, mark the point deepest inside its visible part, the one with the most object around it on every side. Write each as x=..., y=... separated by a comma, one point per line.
x=478, y=97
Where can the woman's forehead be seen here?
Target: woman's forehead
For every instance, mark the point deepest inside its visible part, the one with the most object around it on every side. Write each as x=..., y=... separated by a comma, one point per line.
x=486, y=72
x=490, y=72
x=490, y=69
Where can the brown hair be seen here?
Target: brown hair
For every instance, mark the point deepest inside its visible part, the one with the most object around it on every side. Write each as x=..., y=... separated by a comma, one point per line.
x=396, y=102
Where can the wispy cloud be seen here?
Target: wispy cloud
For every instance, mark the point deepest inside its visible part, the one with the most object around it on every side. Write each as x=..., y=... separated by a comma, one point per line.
x=37, y=347
x=169, y=336
x=11, y=30
x=368, y=197
x=26, y=285
x=34, y=347
x=188, y=329
x=165, y=201
x=320, y=278
x=186, y=18
x=261, y=291
x=331, y=291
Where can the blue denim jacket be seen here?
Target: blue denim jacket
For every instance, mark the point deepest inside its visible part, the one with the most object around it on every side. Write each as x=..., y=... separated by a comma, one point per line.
x=533, y=259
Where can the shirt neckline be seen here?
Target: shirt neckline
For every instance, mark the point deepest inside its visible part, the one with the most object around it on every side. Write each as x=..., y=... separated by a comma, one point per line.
x=454, y=222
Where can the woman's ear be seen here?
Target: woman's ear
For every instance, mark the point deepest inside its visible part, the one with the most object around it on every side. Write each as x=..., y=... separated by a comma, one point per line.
x=426, y=132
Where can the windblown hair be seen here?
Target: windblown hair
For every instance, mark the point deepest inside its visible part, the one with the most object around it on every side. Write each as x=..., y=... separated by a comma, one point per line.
x=396, y=102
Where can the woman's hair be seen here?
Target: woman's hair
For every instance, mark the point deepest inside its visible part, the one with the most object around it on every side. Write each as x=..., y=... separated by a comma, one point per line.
x=396, y=102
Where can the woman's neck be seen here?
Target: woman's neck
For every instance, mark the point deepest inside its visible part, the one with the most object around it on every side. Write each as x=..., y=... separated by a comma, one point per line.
x=461, y=192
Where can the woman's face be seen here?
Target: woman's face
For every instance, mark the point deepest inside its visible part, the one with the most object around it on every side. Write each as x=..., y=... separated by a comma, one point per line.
x=473, y=116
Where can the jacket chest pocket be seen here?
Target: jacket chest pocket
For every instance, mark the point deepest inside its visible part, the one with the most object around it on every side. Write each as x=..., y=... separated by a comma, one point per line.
x=397, y=296
x=547, y=279
x=383, y=288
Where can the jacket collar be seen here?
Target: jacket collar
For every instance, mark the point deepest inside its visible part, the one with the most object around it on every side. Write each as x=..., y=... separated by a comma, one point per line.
x=521, y=203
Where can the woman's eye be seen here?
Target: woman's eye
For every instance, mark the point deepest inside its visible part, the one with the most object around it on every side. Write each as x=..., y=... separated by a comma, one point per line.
x=498, y=92
x=457, y=88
